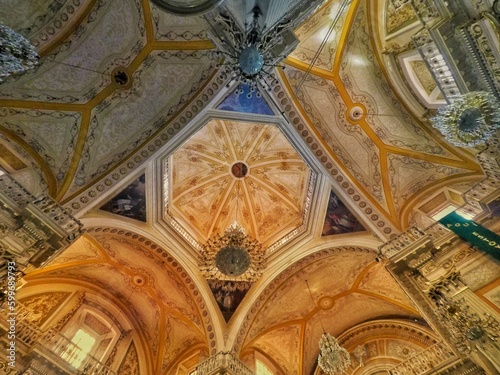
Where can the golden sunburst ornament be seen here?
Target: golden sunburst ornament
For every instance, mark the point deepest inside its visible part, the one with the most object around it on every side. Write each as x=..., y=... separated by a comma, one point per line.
x=469, y=121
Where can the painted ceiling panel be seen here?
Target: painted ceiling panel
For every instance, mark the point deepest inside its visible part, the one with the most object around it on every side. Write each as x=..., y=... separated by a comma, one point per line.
x=283, y=346
x=356, y=151
x=180, y=338
x=327, y=277
x=409, y=175
x=362, y=143
x=82, y=250
x=21, y=13
x=312, y=34
x=128, y=122
x=41, y=21
x=157, y=279
x=379, y=281
x=52, y=134
x=243, y=100
x=66, y=76
x=365, y=82
x=268, y=200
x=168, y=26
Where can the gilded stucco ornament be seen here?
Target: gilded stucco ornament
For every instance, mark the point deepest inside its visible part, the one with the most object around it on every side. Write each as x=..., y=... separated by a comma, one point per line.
x=469, y=121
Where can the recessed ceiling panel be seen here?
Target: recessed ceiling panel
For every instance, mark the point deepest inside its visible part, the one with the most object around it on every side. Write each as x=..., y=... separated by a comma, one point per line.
x=234, y=171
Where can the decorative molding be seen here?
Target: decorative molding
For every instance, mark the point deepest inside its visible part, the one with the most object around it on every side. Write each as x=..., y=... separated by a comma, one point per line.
x=404, y=330
x=191, y=108
x=342, y=182
x=274, y=284
x=181, y=273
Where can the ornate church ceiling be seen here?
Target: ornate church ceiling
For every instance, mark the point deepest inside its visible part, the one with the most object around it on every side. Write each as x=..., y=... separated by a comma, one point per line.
x=125, y=90
x=234, y=171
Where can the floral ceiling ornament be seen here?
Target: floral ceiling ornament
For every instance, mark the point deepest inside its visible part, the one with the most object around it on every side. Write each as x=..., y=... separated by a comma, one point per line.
x=17, y=55
x=469, y=121
x=333, y=359
x=234, y=256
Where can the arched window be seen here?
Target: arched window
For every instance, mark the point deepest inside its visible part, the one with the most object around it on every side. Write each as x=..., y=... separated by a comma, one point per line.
x=83, y=342
x=88, y=338
x=261, y=368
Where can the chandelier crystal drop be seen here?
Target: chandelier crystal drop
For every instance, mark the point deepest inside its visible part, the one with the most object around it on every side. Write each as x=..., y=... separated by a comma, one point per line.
x=333, y=359
x=17, y=55
x=469, y=121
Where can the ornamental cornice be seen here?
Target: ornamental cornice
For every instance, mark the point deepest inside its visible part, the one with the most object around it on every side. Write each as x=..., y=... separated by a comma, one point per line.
x=401, y=329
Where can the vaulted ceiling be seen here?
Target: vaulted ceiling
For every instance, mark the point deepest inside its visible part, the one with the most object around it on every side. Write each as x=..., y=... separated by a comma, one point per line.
x=347, y=124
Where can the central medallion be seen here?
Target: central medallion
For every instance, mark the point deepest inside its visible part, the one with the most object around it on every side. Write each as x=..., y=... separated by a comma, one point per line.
x=239, y=170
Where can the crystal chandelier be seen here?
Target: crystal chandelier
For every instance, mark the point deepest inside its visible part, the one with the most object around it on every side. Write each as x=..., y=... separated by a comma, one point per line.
x=234, y=256
x=252, y=52
x=333, y=359
x=469, y=121
x=17, y=55
x=467, y=329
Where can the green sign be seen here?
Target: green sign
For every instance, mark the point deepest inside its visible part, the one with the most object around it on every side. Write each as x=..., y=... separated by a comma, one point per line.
x=474, y=233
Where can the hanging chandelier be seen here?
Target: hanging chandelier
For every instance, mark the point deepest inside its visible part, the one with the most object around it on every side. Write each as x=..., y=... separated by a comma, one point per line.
x=234, y=256
x=17, y=55
x=469, y=121
x=333, y=359
x=467, y=330
x=253, y=51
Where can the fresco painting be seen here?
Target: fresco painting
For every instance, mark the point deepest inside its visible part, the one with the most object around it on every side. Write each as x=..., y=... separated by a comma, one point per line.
x=130, y=202
x=339, y=219
x=242, y=100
